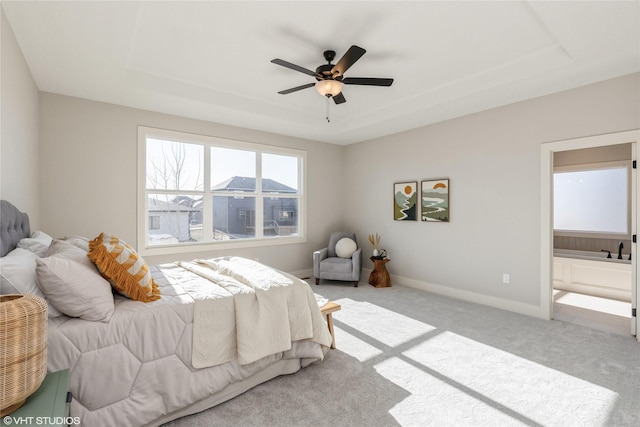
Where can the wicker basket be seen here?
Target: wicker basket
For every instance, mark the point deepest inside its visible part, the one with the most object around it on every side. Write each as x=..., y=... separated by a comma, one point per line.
x=23, y=348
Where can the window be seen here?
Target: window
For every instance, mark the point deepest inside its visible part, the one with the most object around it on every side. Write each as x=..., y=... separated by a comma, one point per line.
x=207, y=191
x=285, y=215
x=592, y=199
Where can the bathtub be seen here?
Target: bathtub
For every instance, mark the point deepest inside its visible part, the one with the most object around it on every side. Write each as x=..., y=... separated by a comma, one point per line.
x=592, y=273
x=597, y=256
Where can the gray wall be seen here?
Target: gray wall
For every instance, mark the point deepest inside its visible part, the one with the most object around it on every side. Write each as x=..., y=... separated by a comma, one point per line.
x=492, y=159
x=19, y=171
x=89, y=151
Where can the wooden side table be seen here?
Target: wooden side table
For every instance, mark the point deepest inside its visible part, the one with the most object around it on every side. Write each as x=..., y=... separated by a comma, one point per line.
x=380, y=277
x=47, y=406
x=326, y=310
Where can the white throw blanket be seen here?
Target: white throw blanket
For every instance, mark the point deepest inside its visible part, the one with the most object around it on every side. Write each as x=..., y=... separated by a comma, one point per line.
x=260, y=312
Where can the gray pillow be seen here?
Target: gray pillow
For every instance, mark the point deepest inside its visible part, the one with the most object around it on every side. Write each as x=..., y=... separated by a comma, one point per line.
x=75, y=289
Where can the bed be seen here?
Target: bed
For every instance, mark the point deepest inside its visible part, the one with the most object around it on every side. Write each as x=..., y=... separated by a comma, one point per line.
x=211, y=330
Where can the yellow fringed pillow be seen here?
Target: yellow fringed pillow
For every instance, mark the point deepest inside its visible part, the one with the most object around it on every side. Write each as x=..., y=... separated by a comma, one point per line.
x=123, y=267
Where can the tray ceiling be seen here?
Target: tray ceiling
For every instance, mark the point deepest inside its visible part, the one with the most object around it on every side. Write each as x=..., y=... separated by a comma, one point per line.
x=211, y=60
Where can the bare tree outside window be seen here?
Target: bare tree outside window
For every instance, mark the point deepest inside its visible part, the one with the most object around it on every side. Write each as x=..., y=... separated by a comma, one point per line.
x=174, y=191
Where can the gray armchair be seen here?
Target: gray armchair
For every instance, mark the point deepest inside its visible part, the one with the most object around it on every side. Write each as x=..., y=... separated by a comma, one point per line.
x=327, y=265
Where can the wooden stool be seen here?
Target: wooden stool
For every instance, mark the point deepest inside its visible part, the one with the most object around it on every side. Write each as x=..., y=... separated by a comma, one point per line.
x=326, y=310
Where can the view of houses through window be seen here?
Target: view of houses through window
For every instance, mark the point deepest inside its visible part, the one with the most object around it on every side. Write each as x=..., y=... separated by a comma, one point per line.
x=206, y=191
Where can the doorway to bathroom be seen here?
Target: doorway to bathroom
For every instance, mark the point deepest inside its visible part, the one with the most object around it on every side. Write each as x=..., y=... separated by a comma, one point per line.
x=592, y=237
x=589, y=216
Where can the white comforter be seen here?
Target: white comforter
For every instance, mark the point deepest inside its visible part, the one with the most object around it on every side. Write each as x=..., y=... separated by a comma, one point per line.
x=144, y=363
x=264, y=312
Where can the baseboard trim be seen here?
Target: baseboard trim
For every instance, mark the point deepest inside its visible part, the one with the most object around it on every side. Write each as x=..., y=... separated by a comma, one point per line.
x=501, y=303
x=303, y=274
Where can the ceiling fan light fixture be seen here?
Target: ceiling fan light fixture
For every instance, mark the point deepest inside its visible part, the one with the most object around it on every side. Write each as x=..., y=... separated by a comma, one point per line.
x=329, y=87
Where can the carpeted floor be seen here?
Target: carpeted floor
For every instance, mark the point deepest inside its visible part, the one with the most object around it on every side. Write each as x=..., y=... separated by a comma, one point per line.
x=411, y=358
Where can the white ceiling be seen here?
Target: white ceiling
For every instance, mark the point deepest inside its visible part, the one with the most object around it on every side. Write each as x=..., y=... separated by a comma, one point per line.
x=210, y=60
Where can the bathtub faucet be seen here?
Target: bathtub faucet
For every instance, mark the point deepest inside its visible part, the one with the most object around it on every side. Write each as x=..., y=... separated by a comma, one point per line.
x=607, y=251
x=620, y=246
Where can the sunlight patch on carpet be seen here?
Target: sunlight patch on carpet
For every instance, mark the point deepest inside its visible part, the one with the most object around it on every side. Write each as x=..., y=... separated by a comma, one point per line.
x=354, y=346
x=435, y=402
x=385, y=326
x=518, y=385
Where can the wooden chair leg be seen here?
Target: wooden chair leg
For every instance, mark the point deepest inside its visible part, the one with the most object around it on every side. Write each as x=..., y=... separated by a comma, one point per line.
x=330, y=324
x=317, y=281
x=355, y=284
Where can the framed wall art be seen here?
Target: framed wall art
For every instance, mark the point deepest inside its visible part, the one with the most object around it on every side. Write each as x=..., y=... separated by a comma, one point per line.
x=405, y=201
x=434, y=200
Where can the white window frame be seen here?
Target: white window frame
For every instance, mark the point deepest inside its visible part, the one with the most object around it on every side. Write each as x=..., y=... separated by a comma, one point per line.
x=144, y=248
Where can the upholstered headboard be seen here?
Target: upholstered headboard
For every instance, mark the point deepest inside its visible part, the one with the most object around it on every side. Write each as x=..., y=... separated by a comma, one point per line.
x=14, y=225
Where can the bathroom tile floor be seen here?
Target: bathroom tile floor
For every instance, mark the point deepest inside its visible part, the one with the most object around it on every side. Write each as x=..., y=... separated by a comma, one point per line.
x=598, y=313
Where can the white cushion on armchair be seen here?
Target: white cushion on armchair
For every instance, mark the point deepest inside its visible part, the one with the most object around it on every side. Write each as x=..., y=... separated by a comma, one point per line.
x=345, y=247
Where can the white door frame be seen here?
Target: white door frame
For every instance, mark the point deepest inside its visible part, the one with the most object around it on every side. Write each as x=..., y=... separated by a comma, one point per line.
x=546, y=211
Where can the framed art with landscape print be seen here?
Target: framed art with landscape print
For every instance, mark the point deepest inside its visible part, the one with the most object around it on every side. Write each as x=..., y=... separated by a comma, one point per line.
x=434, y=200
x=405, y=206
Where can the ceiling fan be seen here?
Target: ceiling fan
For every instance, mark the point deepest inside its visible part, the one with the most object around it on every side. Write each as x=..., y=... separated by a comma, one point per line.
x=330, y=78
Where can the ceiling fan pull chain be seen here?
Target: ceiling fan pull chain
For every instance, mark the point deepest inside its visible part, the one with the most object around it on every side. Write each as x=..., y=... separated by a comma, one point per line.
x=327, y=114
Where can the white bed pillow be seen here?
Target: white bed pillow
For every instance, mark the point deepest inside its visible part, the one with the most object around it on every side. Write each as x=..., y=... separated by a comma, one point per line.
x=75, y=289
x=63, y=249
x=38, y=243
x=345, y=247
x=6, y=287
x=78, y=242
x=18, y=272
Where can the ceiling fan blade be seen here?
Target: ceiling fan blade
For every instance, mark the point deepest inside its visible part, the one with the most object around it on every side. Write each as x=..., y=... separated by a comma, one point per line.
x=367, y=81
x=295, y=67
x=348, y=59
x=339, y=98
x=295, y=89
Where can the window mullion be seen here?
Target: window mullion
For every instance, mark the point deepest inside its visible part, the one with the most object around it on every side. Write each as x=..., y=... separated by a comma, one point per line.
x=259, y=198
x=207, y=198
